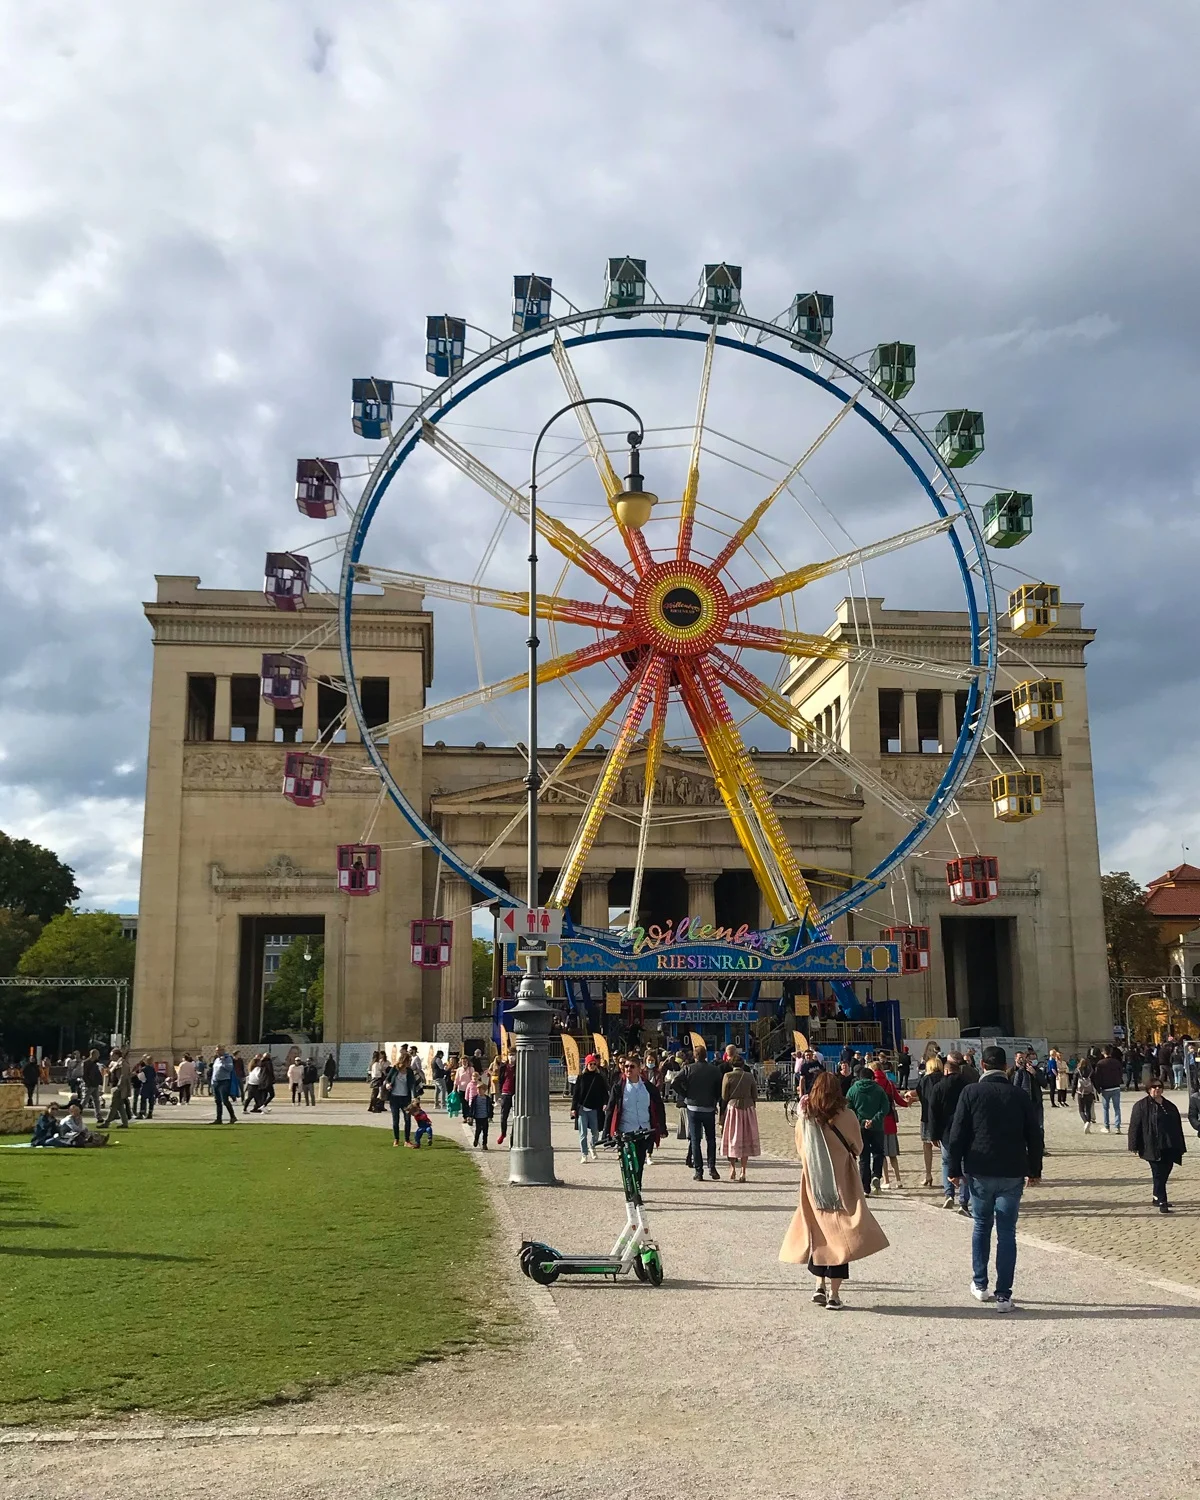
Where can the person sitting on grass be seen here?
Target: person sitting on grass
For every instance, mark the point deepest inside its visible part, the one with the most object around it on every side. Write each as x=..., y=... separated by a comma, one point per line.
x=423, y=1123
x=45, y=1130
x=73, y=1132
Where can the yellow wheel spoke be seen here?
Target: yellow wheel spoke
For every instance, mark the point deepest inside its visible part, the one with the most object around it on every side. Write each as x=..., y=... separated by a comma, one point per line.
x=549, y=606
x=564, y=541
x=788, y=583
x=801, y=643
x=750, y=525
x=548, y=671
x=656, y=670
x=781, y=711
x=654, y=744
x=634, y=541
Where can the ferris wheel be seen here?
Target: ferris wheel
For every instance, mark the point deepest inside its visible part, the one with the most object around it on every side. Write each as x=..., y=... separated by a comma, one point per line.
x=786, y=470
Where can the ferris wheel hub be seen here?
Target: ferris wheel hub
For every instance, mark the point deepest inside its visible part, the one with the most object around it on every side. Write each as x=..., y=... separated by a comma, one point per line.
x=680, y=608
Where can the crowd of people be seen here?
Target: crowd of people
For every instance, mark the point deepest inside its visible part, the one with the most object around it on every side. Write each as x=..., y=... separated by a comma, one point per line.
x=124, y=1087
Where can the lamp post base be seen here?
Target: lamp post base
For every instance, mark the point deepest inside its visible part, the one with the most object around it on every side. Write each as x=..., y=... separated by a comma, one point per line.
x=531, y=1154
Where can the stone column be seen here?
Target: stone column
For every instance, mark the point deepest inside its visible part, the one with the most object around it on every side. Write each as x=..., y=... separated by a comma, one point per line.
x=224, y=710
x=949, y=716
x=309, y=721
x=701, y=900
x=456, y=979
x=908, y=723
x=595, y=898
x=517, y=881
x=266, y=721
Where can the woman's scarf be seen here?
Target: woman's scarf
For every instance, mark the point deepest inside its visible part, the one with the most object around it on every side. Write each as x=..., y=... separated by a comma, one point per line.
x=822, y=1180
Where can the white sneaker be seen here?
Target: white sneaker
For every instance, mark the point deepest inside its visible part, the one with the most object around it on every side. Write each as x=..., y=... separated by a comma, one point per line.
x=591, y=1156
x=981, y=1293
x=1106, y=1130
x=585, y=1158
x=1004, y=1304
x=1087, y=1127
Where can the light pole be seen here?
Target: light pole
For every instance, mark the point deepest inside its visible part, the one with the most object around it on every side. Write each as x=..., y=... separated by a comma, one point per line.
x=531, y=1155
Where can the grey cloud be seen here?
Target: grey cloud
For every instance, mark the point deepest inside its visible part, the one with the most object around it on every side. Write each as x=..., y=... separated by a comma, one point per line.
x=214, y=221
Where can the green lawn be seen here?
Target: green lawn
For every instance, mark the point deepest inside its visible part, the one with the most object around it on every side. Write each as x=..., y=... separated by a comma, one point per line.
x=195, y=1274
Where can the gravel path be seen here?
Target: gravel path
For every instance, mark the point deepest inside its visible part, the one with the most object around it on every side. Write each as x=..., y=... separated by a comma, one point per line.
x=725, y=1378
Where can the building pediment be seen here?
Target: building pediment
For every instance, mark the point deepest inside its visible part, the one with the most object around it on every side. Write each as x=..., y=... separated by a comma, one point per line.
x=681, y=781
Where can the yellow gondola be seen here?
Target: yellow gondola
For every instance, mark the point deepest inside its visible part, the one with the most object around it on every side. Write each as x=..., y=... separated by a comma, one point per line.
x=1016, y=796
x=1033, y=608
x=1038, y=704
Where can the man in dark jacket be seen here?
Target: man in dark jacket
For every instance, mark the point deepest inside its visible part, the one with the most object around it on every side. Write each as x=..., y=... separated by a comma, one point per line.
x=1156, y=1135
x=1108, y=1075
x=943, y=1102
x=589, y=1098
x=996, y=1143
x=698, y=1088
x=93, y=1082
x=31, y=1075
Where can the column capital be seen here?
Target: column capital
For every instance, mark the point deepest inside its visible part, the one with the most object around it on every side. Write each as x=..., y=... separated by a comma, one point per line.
x=597, y=875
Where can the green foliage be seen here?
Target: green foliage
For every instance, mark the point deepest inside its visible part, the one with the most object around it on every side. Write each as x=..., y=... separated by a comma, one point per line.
x=287, y=1004
x=80, y=945
x=74, y=945
x=481, y=974
x=168, y=1311
x=1135, y=949
x=34, y=880
x=17, y=932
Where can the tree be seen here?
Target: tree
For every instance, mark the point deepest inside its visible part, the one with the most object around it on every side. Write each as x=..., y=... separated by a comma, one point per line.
x=73, y=945
x=299, y=989
x=1135, y=949
x=481, y=974
x=34, y=880
x=17, y=932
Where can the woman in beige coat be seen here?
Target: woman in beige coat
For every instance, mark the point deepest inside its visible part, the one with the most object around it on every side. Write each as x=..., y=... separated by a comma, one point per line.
x=832, y=1224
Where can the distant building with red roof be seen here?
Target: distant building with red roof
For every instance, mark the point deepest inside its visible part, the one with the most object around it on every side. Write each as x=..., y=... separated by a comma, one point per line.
x=1173, y=900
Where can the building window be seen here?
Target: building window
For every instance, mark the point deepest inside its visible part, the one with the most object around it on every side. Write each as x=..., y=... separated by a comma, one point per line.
x=1046, y=741
x=331, y=706
x=375, y=697
x=243, y=706
x=960, y=712
x=1005, y=720
x=271, y=963
x=929, y=714
x=891, y=701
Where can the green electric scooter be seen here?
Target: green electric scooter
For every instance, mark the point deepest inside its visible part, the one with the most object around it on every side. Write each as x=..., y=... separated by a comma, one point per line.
x=634, y=1251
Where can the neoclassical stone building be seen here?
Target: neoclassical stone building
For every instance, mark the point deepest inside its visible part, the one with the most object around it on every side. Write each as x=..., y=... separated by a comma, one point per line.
x=227, y=861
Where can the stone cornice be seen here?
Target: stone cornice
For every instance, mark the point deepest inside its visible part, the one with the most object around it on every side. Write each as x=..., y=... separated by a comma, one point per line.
x=277, y=630
x=1022, y=887
x=281, y=876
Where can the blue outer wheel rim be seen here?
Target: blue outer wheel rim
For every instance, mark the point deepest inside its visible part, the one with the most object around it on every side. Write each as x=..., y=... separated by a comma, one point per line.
x=982, y=626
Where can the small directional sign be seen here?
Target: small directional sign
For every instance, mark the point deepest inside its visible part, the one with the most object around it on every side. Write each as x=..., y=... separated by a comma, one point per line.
x=530, y=921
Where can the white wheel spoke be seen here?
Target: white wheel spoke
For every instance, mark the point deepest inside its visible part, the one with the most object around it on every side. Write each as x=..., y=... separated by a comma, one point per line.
x=801, y=643
x=787, y=583
x=687, y=507
x=560, y=536
x=781, y=711
x=550, y=606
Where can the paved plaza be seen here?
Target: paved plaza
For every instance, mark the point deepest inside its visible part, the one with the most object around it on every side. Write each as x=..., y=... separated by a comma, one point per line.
x=728, y=1378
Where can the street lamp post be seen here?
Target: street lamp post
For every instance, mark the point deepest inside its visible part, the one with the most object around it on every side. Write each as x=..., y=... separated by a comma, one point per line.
x=531, y=1154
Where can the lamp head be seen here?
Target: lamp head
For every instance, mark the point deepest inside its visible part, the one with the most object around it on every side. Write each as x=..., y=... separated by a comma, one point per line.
x=634, y=504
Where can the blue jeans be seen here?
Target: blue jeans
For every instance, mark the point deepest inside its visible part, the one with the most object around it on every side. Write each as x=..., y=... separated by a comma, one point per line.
x=999, y=1199
x=589, y=1121
x=1113, y=1097
x=1177, y=1069
x=702, y=1130
x=964, y=1192
x=221, y=1095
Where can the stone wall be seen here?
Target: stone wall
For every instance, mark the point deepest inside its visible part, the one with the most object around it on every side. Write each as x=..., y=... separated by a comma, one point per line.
x=15, y=1118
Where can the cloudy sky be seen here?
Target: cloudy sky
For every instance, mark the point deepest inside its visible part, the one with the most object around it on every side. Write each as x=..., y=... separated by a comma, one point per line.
x=215, y=214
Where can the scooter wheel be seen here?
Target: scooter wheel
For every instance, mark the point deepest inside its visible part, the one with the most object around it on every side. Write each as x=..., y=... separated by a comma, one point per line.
x=544, y=1272
x=639, y=1270
x=654, y=1270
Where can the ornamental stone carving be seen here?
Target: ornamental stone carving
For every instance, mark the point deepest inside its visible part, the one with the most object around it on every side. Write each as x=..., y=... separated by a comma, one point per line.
x=259, y=768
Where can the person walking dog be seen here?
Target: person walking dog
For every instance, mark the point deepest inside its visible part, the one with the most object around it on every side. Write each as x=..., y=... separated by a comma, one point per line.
x=996, y=1143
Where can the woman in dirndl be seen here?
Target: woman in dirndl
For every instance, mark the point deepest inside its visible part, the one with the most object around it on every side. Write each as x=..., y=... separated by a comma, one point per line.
x=739, y=1134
